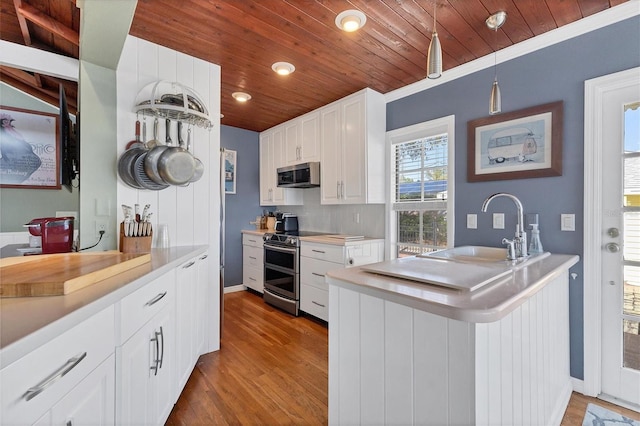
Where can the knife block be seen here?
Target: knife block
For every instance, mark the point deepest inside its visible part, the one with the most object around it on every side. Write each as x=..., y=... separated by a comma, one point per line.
x=134, y=244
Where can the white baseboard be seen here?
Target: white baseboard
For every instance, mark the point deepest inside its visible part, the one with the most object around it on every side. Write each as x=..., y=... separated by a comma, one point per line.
x=561, y=405
x=578, y=385
x=234, y=288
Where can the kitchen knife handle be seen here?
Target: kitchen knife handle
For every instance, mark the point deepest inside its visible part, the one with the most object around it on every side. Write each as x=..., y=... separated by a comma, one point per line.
x=156, y=299
x=58, y=374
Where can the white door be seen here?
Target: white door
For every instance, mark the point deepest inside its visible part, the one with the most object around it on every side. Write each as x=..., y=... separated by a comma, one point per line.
x=620, y=243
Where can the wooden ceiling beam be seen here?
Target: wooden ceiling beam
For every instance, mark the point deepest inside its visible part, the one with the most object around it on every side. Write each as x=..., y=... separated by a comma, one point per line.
x=42, y=20
x=24, y=28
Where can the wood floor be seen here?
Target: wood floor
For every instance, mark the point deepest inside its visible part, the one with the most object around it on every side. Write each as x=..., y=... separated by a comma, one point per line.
x=272, y=369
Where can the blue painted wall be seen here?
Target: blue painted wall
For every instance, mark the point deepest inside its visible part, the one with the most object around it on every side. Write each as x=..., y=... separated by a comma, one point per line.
x=555, y=73
x=243, y=206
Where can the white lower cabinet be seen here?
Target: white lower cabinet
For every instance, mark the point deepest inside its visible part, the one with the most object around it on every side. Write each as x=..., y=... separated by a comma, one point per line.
x=317, y=259
x=253, y=262
x=145, y=372
x=190, y=318
x=35, y=387
x=91, y=401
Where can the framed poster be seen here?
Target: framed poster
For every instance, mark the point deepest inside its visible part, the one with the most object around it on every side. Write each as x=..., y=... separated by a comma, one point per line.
x=229, y=171
x=29, y=149
x=516, y=145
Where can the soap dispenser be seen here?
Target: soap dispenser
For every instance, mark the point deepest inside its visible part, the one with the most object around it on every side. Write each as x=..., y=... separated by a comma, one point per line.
x=535, y=246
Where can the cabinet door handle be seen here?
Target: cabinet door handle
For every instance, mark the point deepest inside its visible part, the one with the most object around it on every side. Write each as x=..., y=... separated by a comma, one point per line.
x=318, y=251
x=317, y=275
x=156, y=358
x=188, y=265
x=156, y=299
x=342, y=190
x=161, y=346
x=319, y=304
x=338, y=189
x=58, y=374
x=204, y=257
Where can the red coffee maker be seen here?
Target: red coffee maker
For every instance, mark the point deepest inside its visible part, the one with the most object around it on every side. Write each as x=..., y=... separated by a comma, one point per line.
x=56, y=233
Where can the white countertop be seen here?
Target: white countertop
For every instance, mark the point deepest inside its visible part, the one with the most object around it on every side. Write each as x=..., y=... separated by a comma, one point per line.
x=28, y=322
x=258, y=232
x=488, y=304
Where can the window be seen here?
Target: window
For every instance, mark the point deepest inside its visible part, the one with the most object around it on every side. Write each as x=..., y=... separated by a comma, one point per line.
x=421, y=209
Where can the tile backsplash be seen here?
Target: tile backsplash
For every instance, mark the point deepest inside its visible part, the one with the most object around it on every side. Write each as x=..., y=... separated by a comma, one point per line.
x=353, y=219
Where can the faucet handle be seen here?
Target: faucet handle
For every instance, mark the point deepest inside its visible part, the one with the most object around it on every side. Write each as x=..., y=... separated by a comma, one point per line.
x=511, y=248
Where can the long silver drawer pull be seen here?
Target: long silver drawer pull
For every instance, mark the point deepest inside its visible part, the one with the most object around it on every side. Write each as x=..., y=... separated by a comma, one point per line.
x=188, y=265
x=254, y=258
x=156, y=361
x=58, y=374
x=161, y=346
x=317, y=274
x=316, y=303
x=317, y=251
x=155, y=299
x=204, y=257
x=252, y=279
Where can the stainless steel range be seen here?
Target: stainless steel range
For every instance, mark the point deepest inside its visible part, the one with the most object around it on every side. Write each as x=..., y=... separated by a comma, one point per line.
x=282, y=269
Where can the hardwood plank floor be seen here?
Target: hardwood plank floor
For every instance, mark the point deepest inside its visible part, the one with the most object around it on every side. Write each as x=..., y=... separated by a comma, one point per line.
x=272, y=369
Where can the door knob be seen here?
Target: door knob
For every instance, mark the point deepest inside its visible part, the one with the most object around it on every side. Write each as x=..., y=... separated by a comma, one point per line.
x=612, y=247
x=613, y=232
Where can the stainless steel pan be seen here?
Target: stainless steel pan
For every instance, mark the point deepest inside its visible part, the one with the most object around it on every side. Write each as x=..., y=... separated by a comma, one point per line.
x=153, y=156
x=126, y=160
x=176, y=165
x=199, y=168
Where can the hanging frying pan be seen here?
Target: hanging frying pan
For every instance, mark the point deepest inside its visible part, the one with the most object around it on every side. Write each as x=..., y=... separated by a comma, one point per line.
x=126, y=160
x=199, y=168
x=152, y=157
x=176, y=165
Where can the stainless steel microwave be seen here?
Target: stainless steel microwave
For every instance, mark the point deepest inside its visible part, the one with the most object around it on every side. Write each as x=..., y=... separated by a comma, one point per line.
x=305, y=175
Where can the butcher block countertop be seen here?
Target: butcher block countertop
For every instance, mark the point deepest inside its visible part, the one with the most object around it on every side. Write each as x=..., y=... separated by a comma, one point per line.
x=28, y=322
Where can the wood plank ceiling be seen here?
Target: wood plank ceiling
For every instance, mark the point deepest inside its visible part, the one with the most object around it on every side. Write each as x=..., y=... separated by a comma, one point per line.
x=246, y=37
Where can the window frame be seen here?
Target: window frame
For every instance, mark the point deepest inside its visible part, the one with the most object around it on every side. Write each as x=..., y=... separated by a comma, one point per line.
x=406, y=134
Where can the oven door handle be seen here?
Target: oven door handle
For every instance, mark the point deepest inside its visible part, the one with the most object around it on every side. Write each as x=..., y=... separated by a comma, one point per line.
x=281, y=249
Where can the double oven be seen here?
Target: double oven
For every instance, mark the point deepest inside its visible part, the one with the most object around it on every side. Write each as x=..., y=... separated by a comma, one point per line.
x=282, y=269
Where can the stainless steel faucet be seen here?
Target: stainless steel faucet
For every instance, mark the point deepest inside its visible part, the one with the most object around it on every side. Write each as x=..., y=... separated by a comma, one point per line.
x=517, y=247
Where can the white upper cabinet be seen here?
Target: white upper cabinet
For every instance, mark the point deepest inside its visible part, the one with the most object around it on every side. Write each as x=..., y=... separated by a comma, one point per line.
x=352, y=166
x=302, y=139
x=272, y=157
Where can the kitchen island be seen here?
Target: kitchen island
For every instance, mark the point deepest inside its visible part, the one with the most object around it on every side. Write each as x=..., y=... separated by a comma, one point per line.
x=404, y=352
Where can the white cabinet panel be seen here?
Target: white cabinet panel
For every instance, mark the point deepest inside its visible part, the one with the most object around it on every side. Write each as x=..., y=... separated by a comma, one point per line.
x=271, y=157
x=54, y=369
x=352, y=133
x=185, y=321
x=253, y=262
x=314, y=301
x=91, y=401
x=302, y=139
x=328, y=252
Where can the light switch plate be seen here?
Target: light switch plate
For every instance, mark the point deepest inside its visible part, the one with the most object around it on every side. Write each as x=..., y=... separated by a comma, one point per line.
x=567, y=222
x=498, y=221
x=472, y=221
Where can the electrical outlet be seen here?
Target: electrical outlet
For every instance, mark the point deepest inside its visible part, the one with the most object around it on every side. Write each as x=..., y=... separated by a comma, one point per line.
x=472, y=221
x=101, y=226
x=498, y=221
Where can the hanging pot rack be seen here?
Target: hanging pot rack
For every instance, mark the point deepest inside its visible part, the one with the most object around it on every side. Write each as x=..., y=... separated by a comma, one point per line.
x=172, y=100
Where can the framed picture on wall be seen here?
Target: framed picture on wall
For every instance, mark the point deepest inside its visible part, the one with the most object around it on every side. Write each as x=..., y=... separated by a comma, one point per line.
x=230, y=171
x=29, y=149
x=516, y=145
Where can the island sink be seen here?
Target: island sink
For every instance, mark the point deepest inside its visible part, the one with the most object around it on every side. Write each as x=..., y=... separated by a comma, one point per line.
x=484, y=255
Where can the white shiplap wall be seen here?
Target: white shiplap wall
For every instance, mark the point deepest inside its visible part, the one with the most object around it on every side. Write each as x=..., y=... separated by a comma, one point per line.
x=192, y=213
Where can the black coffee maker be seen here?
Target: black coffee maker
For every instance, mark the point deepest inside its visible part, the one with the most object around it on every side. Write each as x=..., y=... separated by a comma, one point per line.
x=286, y=222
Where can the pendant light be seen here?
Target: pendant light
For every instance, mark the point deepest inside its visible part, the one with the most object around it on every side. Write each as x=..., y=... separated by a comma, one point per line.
x=494, y=22
x=434, y=57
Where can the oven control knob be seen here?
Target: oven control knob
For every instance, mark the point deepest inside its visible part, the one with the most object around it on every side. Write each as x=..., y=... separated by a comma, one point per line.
x=293, y=241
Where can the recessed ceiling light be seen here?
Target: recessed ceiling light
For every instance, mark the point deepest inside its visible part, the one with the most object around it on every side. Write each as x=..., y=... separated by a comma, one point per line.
x=350, y=20
x=283, y=68
x=241, y=96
